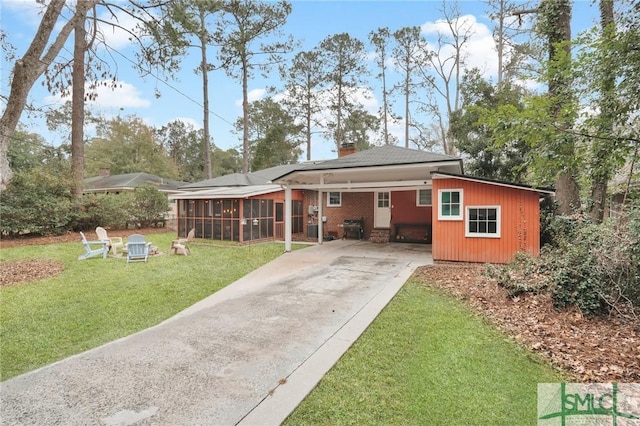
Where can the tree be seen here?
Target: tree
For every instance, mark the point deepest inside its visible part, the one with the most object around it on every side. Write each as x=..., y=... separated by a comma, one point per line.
x=488, y=156
x=184, y=145
x=380, y=40
x=555, y=24
x=189, y=28
x=444, y=74
x=270, y=123
x=273, y=150
x=511, y=54
x=38, y=57
x=409, y=55
x=127, y=145
x=358, y=127
x=242, y=26
x=342, y=57
x=302, y=82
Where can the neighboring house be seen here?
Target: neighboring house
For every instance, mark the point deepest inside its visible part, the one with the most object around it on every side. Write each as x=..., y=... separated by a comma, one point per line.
x=238, y=207
x=391, y=193
x=107, y=183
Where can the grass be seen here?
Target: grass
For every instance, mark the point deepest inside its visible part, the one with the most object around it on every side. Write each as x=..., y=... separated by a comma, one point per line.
x=96, y=301
x=427, y=360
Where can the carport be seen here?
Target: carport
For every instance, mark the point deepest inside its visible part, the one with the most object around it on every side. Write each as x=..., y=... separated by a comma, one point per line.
x=379, y=170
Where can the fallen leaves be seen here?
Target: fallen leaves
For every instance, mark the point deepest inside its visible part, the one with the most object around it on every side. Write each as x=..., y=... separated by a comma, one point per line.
x=25, y=270
x=587, y=349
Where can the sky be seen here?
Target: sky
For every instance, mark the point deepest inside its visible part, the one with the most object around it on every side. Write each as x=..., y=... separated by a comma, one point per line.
x=310, y=22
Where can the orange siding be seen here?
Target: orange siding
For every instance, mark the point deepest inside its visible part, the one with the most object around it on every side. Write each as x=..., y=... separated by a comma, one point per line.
x=519, y=227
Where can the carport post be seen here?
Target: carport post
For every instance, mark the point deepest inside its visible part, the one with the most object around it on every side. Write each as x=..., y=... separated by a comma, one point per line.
x=287, y=219
x=320, y=212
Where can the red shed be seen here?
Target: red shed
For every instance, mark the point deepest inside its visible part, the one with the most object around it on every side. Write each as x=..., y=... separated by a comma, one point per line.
x=481, y=220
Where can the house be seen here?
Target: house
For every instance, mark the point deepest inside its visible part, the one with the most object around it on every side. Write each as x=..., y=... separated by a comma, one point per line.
x=400, y=194
x=384, y=194
x=238, y=207
x=106, y=183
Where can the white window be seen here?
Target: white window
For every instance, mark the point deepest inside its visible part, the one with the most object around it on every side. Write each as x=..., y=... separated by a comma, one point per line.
x=383, y=199
x=423, y=197
x=483, y=221
x=334, y=199
x=450, y=204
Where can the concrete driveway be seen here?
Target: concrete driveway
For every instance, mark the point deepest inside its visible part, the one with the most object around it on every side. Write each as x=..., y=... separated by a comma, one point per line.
x=246, y=355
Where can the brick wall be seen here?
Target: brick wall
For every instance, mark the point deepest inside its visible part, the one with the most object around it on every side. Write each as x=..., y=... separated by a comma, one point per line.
x=355, y=205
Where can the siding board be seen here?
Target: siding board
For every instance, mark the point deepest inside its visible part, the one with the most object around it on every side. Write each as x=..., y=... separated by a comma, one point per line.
x=519, y=223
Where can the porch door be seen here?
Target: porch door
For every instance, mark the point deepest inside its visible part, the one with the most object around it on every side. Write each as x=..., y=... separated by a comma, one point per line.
x=382, y=216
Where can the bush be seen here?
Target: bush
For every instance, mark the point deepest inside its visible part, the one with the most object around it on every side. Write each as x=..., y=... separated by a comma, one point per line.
x=106, y=210
x=37, y=202
x=148, y=205
x=598, y=268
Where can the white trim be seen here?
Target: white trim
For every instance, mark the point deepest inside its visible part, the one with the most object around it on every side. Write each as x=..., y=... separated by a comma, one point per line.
x=329, y=204
x=346, y=186
x=457, y=217
x=418, y=197
x=497, y=234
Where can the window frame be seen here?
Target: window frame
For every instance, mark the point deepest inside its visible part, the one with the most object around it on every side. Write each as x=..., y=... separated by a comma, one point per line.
x=418, y=197
x=497, y=234
x=458, y=217
x=329, y=204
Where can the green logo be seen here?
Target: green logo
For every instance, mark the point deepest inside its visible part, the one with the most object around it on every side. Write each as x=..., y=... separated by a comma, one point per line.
x=588, y=403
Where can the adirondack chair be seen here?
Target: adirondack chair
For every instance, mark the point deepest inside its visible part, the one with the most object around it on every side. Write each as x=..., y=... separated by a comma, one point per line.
x=137, y=248
x=93, y=248
x=180, y=246
x=114, y=242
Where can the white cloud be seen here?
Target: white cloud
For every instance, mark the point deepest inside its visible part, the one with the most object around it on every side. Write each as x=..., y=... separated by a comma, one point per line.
x=478, y=51
x=117, y=33
x=123, y=95
x=252, y=96
x=196, y=124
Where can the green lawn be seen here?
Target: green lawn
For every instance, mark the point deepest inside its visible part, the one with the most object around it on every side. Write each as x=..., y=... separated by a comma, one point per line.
x=96, y=301
x=427, y=360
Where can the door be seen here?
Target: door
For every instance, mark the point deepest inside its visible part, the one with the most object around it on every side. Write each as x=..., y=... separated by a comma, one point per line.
x=382, y=213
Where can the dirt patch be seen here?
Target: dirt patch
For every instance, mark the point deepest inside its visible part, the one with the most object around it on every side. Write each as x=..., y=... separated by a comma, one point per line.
x=25, y=270
x=589, y=350
x=70, y=237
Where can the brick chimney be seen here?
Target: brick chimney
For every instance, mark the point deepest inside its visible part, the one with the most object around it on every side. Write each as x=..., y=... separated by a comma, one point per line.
x=104, y=171
x=346, y=148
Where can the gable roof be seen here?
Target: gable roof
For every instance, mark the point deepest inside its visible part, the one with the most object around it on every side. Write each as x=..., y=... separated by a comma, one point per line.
x=128, y=182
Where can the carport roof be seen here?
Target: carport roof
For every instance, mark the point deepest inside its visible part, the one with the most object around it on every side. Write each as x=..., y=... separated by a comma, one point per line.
x=391, y=165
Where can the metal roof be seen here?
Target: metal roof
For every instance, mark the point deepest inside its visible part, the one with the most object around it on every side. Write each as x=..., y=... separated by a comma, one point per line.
x=226, y=192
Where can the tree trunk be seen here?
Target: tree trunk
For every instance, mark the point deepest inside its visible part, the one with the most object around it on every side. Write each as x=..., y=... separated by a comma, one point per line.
x=245, y=116
x=206, y=145
x=559, y=38
x=77, y=100
x=602, y=165
x=25, y=73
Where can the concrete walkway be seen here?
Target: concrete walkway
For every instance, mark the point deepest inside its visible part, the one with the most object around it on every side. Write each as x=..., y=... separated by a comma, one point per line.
x=246, y=355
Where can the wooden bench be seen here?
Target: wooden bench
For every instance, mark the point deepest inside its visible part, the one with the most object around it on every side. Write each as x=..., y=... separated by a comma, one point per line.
x=426, y=227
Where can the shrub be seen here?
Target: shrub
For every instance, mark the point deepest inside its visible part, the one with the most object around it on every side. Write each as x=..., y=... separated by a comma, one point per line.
x=598, y=268
x=107, y=210
x=148, y=205
x=37, y=202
